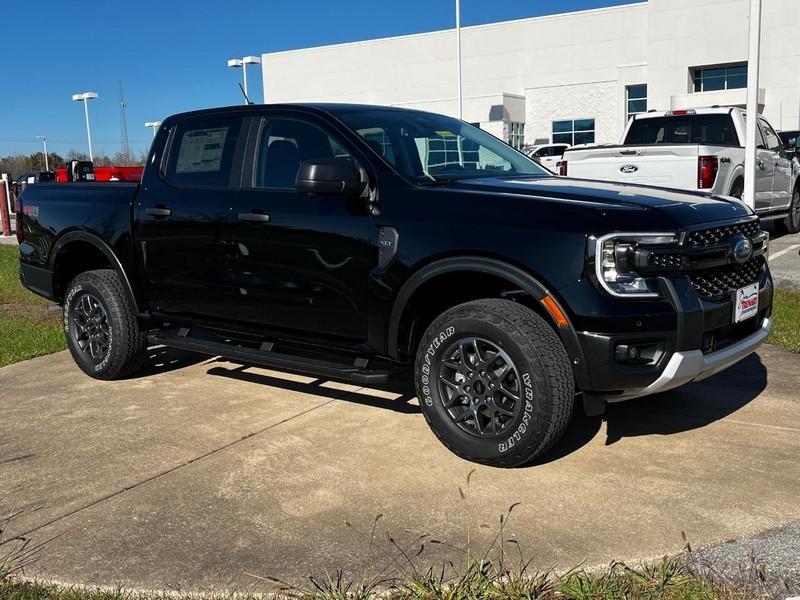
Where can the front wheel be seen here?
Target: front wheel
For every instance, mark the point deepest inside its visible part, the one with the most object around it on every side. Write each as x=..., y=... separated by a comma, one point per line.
x=791, y=224
x=103, y=333
x=494, y=382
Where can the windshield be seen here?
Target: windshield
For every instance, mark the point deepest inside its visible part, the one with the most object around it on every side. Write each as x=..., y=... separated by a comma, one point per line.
x=429, y=148
x=788, y=137
x=712, y=129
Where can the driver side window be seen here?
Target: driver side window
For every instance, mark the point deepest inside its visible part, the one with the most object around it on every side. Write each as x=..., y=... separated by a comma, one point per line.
x=771, y=138
x=285, y=143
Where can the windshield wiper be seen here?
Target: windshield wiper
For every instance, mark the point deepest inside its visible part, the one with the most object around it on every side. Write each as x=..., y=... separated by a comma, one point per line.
x=437, y=182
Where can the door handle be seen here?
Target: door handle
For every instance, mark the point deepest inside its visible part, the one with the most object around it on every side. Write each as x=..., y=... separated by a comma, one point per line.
x=761, y=164
x=254, y=217
x=158, y=211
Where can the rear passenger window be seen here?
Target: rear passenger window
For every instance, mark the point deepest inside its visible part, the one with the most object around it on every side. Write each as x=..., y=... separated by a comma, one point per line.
x=284, y=144
x=202, y=153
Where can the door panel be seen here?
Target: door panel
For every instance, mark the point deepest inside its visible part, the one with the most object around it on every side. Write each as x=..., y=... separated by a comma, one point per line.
x=765, y=172
x=306, y=267
x=782, y=171
x=180, y=221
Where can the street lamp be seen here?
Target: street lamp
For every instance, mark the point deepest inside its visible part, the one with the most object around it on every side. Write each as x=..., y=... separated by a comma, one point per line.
x=85, y=97
x=154, y=125
x=44, y=141
x=241, y=63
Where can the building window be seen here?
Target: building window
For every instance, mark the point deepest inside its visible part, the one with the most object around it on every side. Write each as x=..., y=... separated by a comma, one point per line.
x=727, y=77
x=636, y=99
x=516, y=135
x=577, y=131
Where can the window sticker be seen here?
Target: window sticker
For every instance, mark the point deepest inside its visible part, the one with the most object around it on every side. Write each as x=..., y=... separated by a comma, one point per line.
x=201, y=150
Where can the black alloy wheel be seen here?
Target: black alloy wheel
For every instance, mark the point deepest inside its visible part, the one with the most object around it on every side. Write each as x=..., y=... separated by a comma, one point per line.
x=90, y=329
x=479, y=386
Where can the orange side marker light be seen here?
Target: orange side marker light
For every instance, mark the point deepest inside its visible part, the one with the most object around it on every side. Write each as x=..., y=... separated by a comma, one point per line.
x=552, y=307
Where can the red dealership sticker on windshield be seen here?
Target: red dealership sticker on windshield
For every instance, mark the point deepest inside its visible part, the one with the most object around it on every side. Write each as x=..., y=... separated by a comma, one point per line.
x=746, y=303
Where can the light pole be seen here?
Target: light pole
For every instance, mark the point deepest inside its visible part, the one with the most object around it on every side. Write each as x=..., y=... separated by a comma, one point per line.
x=154, y=125
x=44, y=141
x=241, y=63
x=753, y=59
x=85, y=97
x=458, y=52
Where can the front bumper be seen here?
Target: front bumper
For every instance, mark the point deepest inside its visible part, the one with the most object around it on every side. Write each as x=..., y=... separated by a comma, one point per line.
x=687, y=366
x=699, y=341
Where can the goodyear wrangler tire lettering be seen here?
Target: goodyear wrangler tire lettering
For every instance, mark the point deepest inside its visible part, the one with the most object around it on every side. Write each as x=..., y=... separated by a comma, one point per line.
x=494, y=382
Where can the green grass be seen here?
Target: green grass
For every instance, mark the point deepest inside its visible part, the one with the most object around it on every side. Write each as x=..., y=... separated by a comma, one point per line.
x=786, y=326
x=26, y=330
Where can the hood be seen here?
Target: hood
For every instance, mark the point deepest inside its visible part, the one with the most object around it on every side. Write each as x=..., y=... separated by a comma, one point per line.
x=681, y=207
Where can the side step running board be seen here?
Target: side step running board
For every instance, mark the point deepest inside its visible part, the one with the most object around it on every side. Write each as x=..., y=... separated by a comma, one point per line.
x=265, y=357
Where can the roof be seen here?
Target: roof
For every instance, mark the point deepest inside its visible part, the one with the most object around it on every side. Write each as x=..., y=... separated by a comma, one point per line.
x=331, y=108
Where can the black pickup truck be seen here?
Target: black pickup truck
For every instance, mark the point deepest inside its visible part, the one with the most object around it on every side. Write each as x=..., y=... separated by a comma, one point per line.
x=351, y=242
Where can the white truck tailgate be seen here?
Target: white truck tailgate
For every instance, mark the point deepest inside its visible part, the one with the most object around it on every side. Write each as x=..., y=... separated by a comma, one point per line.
x=668, y=166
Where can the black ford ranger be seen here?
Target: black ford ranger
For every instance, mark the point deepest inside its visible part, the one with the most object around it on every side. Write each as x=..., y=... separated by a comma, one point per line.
x=349, y=242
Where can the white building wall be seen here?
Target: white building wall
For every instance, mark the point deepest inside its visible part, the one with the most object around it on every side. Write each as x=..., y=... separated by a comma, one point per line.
x=419, y=71
x=567, y=66
x=595, y=100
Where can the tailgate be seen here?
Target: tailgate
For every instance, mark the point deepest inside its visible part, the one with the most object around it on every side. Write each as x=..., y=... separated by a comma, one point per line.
x=666, y=166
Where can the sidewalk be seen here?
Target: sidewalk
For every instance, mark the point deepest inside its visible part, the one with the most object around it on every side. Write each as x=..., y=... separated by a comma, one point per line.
x=198, y=473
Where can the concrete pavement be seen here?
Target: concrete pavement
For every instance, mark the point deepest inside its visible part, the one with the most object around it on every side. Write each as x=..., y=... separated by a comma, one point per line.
x=200, y=473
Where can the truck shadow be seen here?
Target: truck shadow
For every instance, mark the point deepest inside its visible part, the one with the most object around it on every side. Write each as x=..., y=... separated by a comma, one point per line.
x=161, y=359
x=691, y=407
x=401, y=387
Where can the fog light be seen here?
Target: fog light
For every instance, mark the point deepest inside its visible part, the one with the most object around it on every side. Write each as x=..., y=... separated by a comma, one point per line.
x=638, y=354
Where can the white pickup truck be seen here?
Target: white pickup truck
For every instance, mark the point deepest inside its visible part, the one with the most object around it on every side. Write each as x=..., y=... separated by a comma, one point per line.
x=699, y=150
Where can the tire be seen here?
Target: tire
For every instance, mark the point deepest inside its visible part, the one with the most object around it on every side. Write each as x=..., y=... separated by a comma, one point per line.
x=103, y=333
x=737, y=189
x=471, y=364
x=791, y=224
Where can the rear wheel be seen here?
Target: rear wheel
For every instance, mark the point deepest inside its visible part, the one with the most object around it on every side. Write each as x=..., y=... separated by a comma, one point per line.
x=737, y=189
x=494, y=382
x=103, y=333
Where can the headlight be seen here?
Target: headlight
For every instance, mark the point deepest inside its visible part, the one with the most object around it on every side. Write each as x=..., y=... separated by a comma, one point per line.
x=616, y=258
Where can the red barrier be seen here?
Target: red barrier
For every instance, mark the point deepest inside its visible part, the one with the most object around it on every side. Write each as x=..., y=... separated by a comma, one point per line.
x=5, y=218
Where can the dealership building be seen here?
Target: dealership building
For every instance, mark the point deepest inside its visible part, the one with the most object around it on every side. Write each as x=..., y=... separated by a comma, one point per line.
x=574, y=77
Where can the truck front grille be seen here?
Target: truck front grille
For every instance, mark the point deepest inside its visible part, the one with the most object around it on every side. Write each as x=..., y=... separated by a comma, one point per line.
x=715, y=236
x=719, y=283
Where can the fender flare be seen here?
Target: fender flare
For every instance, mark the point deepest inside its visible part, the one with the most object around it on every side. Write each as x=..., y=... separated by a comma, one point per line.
x=108, y=252
x=525, y=281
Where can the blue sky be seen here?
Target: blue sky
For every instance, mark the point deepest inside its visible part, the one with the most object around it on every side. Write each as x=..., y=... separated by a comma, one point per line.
x=171, y=54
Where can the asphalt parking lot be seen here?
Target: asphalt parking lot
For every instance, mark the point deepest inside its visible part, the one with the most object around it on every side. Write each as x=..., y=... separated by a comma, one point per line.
x=201, y=473
x=784, y=260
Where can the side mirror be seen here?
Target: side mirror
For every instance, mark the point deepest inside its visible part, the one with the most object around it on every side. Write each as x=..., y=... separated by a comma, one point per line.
x=330, y=176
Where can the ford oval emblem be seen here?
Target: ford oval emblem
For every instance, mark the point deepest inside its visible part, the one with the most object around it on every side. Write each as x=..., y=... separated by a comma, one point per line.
x=741, y=248
x=628, y=169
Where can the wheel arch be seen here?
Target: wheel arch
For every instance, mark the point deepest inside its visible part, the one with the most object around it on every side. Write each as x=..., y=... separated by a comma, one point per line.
x=91, y=246
x=737, y=173
x=525, y=288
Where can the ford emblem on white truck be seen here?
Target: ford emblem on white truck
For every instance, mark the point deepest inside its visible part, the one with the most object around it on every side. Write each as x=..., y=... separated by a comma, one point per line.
x=628, y=169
